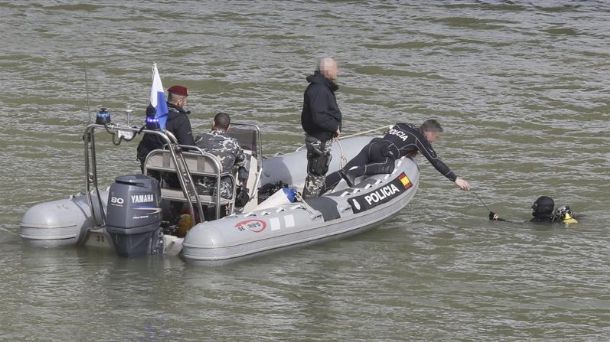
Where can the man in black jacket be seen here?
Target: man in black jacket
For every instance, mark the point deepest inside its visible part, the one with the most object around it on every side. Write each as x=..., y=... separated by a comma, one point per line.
x=321, y=121
x=177, y=122
x=401, y=140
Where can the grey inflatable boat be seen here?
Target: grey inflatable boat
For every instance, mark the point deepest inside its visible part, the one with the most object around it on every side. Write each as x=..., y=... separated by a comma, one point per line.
x=136, y=215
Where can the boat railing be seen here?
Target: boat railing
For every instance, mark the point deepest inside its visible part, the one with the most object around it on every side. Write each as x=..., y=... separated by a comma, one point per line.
x=126, y=133
x=193, y=162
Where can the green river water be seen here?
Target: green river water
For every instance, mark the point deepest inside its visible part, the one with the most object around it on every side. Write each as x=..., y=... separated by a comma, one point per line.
x=521, y=88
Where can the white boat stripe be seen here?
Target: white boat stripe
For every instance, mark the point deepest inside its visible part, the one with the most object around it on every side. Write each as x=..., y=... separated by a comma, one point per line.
x=289, y=221
x=274, y=222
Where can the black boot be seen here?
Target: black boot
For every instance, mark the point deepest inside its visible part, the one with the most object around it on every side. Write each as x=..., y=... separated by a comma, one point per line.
x=349, y=179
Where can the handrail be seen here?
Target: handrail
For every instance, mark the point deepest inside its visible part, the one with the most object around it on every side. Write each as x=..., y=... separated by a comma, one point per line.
x=173, y=148
x=91, y=159
x=218, y=167
x=127, y=133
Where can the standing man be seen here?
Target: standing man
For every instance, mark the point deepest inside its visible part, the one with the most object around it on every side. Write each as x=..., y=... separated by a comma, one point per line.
x=403, y=139
x=321, y=121
x=177, y=122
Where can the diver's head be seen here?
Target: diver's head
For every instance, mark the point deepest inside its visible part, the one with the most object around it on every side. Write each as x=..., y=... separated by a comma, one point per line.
x=543, y=207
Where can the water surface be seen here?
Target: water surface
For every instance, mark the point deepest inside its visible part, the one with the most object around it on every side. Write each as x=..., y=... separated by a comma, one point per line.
x=520, y=87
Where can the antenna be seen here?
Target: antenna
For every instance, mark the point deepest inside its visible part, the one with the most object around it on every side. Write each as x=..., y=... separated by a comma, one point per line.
x=128, y=111
x=87, y=92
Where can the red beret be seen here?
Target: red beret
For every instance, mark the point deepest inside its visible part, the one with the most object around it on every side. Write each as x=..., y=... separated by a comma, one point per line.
x=178, y=90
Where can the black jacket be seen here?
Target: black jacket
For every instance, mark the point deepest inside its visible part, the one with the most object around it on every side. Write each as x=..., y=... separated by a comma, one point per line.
x=321, y=116
x=178, y=123
x=406, y=139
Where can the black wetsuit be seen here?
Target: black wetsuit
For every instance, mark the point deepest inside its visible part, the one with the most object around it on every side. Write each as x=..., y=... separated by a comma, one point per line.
x=379, y=155
x=178, y=123
x=545, y=219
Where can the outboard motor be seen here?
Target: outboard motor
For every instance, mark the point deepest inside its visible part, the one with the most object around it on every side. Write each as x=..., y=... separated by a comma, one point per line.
x=133, y=217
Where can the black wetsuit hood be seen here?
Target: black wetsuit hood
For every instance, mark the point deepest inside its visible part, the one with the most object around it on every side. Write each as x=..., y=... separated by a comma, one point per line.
x=543, y=209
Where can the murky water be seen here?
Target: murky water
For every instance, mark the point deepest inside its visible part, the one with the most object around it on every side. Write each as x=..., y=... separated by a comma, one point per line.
x=520, y=87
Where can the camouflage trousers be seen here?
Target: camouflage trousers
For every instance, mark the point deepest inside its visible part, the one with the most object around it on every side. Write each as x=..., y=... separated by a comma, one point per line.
x=318, y=159
x=207, y=186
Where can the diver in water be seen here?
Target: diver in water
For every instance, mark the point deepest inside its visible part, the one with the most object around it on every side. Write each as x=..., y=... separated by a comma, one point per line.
x=543, y=211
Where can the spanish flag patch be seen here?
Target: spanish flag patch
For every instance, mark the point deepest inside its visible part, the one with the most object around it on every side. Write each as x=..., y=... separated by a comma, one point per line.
x=406, y=182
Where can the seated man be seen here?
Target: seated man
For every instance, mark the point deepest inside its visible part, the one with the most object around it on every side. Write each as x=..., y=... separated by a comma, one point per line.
x=231, y=156
x=543, y=212
x=178, y=124
x=402, y=139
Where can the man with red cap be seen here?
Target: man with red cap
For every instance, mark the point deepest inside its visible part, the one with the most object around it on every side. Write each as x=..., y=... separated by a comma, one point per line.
x=177, y=122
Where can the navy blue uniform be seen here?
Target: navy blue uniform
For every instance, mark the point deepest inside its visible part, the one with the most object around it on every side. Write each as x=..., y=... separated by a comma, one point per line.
x=379, y=155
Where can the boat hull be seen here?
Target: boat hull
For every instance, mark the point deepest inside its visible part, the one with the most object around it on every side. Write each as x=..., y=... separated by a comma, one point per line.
x=331, y=216
x=58, y=223
x=346, y=211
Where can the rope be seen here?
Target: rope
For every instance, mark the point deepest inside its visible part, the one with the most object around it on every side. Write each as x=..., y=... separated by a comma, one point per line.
x=343, y=160
x=353, y=135
x=366, y=132
x=480, y=200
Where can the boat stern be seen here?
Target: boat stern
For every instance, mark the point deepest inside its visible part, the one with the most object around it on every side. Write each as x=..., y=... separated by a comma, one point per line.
x=56, y=223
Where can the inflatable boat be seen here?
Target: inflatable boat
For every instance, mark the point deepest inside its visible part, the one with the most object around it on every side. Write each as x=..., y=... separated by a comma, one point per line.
x=164, y=211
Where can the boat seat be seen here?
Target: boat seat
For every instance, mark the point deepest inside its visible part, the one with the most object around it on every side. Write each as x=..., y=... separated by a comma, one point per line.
x=247, y=137
x=199, y=164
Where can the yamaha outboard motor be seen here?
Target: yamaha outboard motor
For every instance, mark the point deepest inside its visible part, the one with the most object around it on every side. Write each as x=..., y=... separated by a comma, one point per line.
x=134, y=215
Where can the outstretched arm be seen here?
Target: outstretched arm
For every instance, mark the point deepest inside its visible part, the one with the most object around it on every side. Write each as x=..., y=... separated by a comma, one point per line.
x=426, y=149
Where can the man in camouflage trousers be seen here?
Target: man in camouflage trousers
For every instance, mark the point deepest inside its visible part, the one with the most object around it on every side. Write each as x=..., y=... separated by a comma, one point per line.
x=321, y=121
x=227, y=149
x=318, y=159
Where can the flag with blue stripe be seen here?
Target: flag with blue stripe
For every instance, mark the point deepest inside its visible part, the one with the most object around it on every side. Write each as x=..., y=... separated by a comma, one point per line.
x=157, y=98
